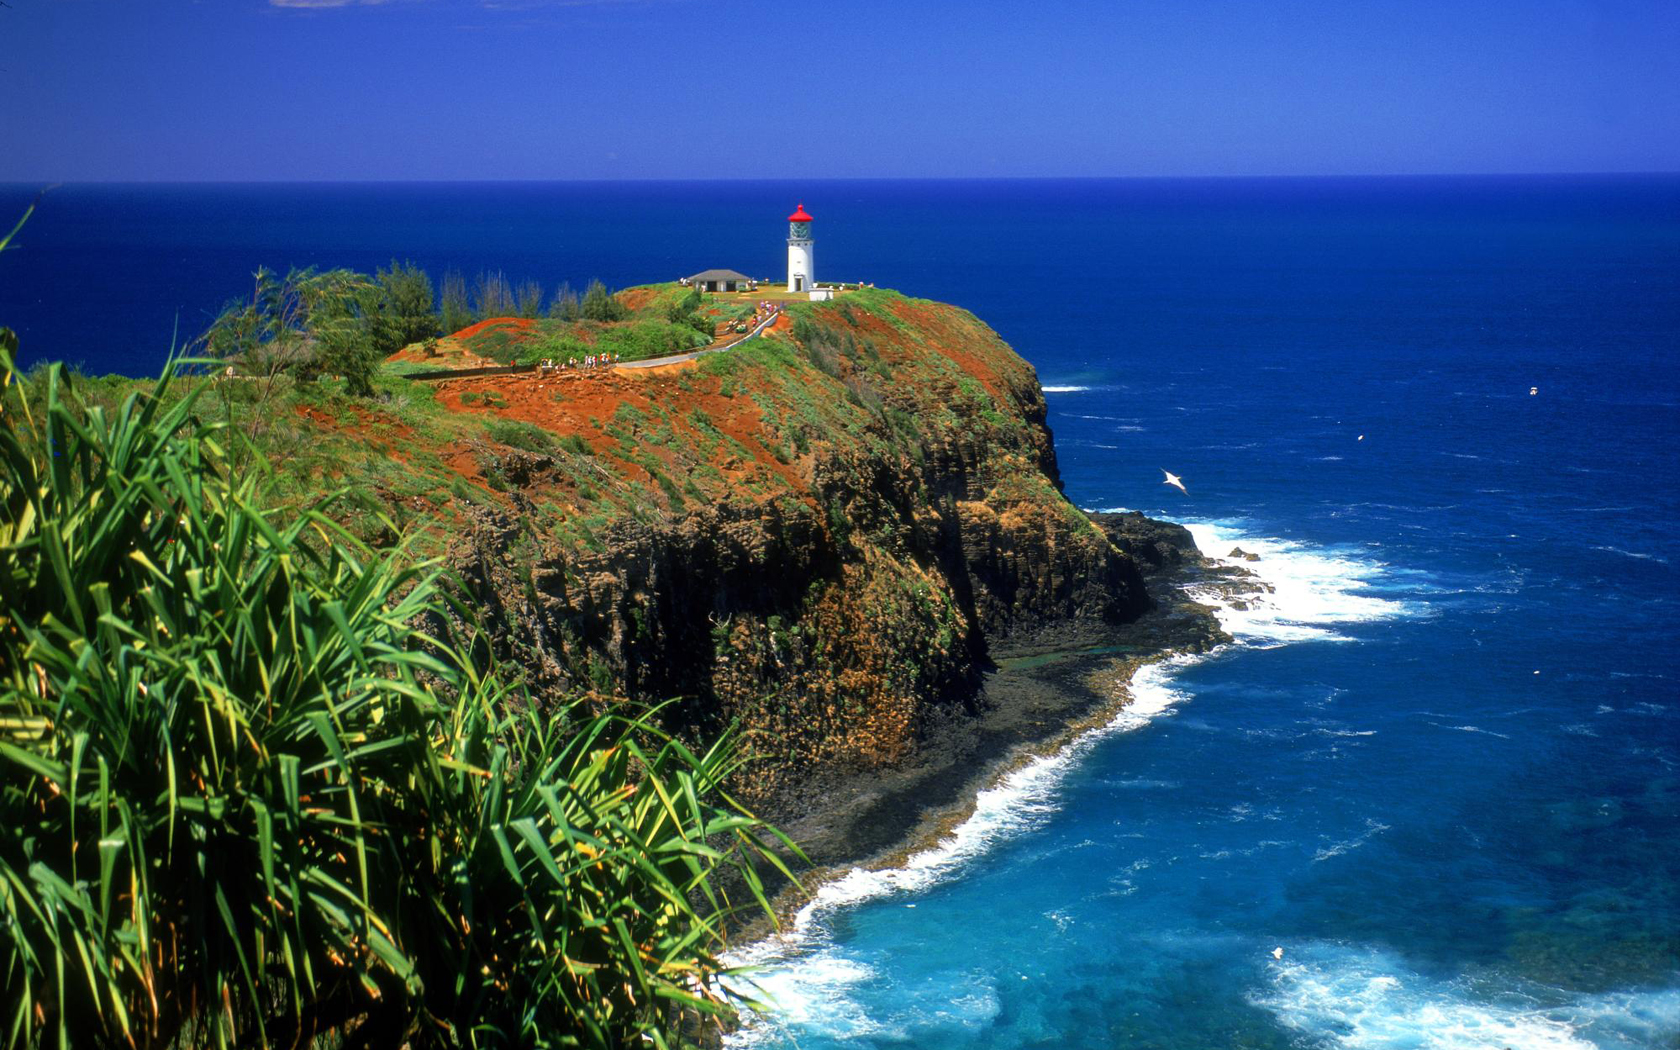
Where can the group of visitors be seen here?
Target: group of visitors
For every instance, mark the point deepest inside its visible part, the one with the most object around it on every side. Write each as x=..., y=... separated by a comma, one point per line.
x=548, y=364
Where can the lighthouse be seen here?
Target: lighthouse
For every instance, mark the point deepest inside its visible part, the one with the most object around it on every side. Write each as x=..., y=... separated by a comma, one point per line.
x=801, y=252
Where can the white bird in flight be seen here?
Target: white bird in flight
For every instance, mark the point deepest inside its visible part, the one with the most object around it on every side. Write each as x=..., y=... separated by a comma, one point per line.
x=1175, y=481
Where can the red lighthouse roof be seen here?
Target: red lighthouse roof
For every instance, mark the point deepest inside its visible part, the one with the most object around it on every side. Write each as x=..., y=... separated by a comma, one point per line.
x=799, y=215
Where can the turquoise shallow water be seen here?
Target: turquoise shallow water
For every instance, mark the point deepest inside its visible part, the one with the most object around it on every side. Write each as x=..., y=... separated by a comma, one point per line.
x=1446, y=852
x=1440, y=767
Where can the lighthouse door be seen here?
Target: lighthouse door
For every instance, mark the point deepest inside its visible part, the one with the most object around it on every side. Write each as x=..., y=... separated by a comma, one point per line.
x=799, y=283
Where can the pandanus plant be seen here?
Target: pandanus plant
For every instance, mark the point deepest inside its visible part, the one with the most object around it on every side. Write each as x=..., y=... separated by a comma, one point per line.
x=254, y=792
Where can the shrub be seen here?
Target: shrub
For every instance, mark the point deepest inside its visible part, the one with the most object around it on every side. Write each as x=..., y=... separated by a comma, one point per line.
x=688, y=311
x=246, y=798
x=600, y=305
x=492, y=295
x=565, y=306
x=516, y=433
x=487, y=398
x=401, y=308
x=529, y=299
x=552, y=348
x=454, y=309
x=502, y=342
x=645, y=339
x=305, y=324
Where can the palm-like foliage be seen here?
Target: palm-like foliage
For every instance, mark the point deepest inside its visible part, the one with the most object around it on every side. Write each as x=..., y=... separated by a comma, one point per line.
x=245, y=799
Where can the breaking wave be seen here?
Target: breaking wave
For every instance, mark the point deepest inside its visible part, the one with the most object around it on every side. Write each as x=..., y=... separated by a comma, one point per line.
x=1355, y=998
x=805, y=976
x=1304, y=592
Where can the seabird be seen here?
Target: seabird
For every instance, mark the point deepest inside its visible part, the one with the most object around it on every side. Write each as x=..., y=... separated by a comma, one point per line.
x=1175, y=481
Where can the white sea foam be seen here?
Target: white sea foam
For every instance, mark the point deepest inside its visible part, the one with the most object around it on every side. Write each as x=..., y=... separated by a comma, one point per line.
x=1311, y=589
x=1018, y=802
x=811, y=991
x=808, y=978
x=805, y=979
x=1354, y=998
x=1472, y=729
x=1373, y=828
x=1059, y=388
x=1642, y=556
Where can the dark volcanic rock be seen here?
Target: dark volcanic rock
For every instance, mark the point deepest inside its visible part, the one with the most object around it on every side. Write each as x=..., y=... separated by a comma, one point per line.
x=1156, y=545
x=800, y=547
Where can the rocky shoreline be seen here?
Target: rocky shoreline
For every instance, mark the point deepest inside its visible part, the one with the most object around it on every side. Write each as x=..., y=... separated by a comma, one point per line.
x=847, y=540
x=1043, y=688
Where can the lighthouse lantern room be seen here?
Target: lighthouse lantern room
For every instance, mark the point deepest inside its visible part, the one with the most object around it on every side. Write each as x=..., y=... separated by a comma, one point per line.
x=801, y=252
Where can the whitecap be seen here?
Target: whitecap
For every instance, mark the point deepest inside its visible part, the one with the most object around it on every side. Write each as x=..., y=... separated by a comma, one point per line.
x=1354, y=998
x=1373, y=828
x=1471, y=729
x=1633, y=554
x=1064, y=389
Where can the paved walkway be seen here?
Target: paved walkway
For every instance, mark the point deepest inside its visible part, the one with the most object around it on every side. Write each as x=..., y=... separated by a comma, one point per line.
x=654, y=362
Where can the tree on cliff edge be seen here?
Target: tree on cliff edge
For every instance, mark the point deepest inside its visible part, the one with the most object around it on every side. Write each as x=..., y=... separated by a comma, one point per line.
x=311, y=323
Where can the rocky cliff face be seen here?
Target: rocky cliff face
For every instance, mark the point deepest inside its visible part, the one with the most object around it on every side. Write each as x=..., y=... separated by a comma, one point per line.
x=820, y=535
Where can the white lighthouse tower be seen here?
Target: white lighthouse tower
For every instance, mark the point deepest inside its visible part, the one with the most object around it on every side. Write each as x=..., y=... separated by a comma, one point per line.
x=801, y=252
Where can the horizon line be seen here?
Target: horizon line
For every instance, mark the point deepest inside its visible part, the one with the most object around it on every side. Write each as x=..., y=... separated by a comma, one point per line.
x=48, y=184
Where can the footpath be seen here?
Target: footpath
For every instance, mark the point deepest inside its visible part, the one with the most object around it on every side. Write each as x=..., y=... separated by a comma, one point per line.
x=651, y=362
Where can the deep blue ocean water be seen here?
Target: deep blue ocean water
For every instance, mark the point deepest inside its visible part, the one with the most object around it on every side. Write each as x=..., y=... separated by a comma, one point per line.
x=1440, y=767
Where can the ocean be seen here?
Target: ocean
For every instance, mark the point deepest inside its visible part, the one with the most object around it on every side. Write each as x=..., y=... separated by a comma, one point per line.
x=1430, y=795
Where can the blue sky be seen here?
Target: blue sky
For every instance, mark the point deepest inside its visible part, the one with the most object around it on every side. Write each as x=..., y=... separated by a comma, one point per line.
x=590, y=89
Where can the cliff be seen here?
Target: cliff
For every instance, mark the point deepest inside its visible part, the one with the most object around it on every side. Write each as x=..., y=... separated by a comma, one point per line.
x=821, y=534
x=824, y=535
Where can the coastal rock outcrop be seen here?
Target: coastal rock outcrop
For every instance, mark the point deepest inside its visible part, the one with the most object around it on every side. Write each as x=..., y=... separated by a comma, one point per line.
x=820, y=536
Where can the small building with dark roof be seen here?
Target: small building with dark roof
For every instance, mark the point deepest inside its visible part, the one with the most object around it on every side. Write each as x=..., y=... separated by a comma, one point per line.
x=721, y=281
